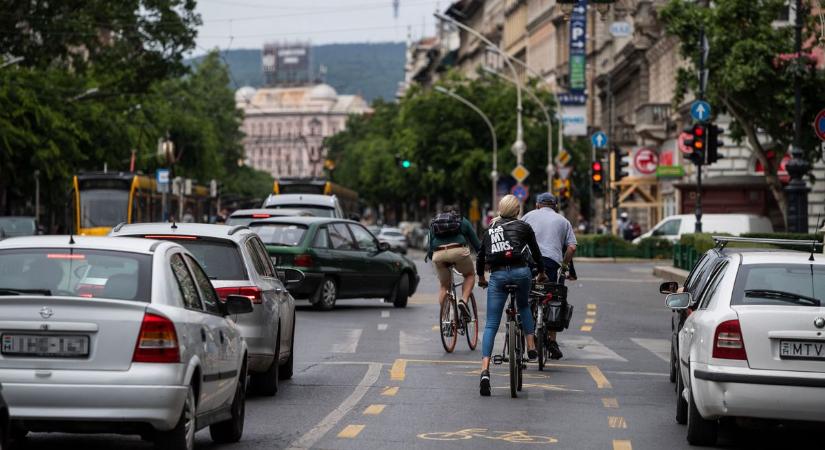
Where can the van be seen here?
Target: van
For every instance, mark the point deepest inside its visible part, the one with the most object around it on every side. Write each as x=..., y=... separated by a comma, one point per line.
x=316, y=204
x=673, y=227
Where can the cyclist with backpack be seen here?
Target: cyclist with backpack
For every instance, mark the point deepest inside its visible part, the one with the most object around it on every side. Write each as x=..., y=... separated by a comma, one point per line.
x=449, y=240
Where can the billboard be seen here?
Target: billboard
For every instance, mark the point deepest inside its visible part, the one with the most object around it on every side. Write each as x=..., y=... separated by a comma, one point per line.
x=287, y=64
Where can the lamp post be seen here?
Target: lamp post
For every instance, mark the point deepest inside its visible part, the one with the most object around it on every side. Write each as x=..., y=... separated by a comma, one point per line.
x=494, y=173
x=519, y=147
x=797, y=167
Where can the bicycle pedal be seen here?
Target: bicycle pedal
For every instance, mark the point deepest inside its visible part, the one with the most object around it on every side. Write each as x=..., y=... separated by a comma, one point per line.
x=498, y=360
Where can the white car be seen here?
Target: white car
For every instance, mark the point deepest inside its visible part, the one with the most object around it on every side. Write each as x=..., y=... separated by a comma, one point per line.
x=316, y=204
x=754, y=345
x=395, y=238
x=152, y=353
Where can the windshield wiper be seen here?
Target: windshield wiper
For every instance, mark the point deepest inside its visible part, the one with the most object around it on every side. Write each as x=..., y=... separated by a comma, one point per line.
x=782, y=295
x=7, y=291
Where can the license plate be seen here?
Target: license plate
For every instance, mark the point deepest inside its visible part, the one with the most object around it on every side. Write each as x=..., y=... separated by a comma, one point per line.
x=802, y=349
x=45, y=346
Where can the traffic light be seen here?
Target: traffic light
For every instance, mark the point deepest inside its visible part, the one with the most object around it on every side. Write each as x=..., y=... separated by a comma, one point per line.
x=402, y=162
x=406, y=163
x=619, y=164
x=713, y=141
x=696, y=143
x=597, y=177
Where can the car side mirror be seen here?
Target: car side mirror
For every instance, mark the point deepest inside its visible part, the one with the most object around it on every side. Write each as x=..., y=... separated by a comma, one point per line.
x=237, y=304
x=669, y=287
x=290, y=277
x=679, y=301
x=384, y=246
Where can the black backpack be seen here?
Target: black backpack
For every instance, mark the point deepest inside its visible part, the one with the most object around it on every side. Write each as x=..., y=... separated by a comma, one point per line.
x=446, y=224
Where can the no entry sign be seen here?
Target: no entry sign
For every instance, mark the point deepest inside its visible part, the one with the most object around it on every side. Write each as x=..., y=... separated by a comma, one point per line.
x=819, y=125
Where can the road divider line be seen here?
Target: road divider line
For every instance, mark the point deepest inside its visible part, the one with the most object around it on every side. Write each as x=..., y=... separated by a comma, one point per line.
x=610, y=402
x=390, y=391
x=590, y=320
x=591, y=313
x=385, y=314
x=616, y=422
x=311, y=437
x=591, y=306
x=621, y=445
x=351, y=431
x=374, y=410
x=398, y=372
x=382, y=327
x=586, y=328
x=598, y=377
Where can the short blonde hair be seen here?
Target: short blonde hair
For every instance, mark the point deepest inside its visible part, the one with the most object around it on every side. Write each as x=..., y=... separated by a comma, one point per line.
x=508, y=206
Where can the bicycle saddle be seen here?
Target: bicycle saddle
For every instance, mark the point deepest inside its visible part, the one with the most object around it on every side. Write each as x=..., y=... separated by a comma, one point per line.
x=511, y=287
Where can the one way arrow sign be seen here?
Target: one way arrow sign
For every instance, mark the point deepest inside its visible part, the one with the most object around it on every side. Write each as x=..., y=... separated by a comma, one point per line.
x=700, y=110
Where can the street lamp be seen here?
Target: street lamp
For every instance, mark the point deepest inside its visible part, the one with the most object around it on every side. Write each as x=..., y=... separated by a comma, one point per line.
x=494, y=173
x=519, y=147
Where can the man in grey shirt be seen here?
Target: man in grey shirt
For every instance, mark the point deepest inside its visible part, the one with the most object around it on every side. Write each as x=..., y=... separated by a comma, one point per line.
x=557, y=243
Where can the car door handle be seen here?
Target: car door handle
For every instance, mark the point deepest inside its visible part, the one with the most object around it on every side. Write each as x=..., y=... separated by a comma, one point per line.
x=278, y=290
x=203, y=334
x=222, y=337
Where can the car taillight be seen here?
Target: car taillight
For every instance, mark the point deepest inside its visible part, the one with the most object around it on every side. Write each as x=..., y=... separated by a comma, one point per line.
x=157, y=341
x=253, y=293
x=728, y=342
x=302, y=260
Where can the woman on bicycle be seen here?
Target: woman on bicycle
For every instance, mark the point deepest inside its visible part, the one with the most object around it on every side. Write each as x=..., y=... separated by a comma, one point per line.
x=502, y=248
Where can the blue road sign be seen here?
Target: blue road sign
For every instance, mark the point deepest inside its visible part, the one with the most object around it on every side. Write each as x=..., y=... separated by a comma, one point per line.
x=598, y=139
x=162, y=176
x=520, y=191
x=700, y=110
x=819, y=125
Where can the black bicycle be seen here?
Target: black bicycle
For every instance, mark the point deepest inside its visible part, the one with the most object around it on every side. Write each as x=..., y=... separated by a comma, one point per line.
x=514, y=344
x=551, y=312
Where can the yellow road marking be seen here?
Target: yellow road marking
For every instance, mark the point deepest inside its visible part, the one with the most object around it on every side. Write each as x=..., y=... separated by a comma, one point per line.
x=591, y=306
x=598, y=377
x=399, y=370
x=590, y=320
x=586, y=328
x=591, y=313
x=616, y=422
x=390, y=391
x=622, y=445
x=435, y=328
x=610, y=402
x=351, y=431
x=374, y=410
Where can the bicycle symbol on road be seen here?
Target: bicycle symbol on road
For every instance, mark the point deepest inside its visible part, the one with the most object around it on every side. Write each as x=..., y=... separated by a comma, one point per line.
x=513, y=437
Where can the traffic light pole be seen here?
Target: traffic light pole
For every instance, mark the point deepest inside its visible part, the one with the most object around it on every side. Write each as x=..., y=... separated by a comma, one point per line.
x=592, y=208
x=797, y=167
x=702, y=82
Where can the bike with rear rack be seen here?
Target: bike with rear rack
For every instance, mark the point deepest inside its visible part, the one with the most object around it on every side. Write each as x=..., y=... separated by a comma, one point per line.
x=457, y=317
x=551, y=312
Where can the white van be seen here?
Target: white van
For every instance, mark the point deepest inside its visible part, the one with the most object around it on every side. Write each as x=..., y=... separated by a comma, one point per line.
x=671, y=228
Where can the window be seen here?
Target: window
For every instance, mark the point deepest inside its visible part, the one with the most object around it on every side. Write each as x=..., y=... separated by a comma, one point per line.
x=219, y=258
x=779, y=284
x=340, y=237
x=191, y=299
x=264, y=255
x=321, y=238
x=281, y=234
x=669, y=228
x=716, y=278
x=256, y=258
x=364, y=239
x=210, y=298
x=695, y=275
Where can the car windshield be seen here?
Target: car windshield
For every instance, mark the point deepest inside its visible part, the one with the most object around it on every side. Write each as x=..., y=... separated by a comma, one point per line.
x=76, y=273
x=315, y=210
x=103, y=207
x=284, y=234
x=17, y=226
x=220, y=259
x=391, y=234
x=240, y=220
x=780, y=284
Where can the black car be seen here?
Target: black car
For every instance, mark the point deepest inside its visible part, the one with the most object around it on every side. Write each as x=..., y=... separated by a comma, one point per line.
x=695, y=283
x=4, y=422
x=339, y=258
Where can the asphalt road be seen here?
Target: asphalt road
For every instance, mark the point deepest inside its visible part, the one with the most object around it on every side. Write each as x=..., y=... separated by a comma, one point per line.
x=369, y=376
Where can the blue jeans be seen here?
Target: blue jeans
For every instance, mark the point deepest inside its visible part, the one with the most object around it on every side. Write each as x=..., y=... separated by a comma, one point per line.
x=497, y=299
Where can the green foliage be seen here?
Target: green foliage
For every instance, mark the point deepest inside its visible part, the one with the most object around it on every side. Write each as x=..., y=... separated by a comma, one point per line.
x=611, y=246
x=701, y=242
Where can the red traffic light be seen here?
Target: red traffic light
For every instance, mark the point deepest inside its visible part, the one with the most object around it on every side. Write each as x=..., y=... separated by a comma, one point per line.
x=597, y=166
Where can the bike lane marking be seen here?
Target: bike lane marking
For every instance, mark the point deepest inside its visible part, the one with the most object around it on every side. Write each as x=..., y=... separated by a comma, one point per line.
x=351, y=431
x=621, y=445
x=390, y=391
x=374, y=410
x=616, y=422
x=610, y=402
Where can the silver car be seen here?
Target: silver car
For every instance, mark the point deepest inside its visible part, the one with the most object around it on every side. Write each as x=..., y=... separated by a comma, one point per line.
x=316, y=204
x=236, y=262
x=395, y=238
x=247, y=216
x=152, y=353
x=4, y=422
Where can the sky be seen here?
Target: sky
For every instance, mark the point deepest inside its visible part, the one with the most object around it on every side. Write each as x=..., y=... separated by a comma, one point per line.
x=233, y=24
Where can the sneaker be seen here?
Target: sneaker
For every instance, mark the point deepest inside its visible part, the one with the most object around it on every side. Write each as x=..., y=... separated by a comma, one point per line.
x=464, y=310
x=555, y=352
x=532, y=354
x=484, y=387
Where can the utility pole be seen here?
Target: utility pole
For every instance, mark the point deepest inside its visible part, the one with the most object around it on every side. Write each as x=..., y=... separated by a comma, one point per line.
x=797, y=167
x=703, y=80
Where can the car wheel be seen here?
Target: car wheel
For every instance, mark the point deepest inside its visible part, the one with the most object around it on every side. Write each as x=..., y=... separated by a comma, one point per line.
x=286, y=370
x=266, y=383
x=674, y=364
x=231, y=430
x=402, y=291
x=325, y=296
x=681, y=403
x=183, y=435
x=699, y=430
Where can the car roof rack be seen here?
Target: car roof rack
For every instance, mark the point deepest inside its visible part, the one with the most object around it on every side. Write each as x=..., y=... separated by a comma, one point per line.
x=723, y=241
x=236, y=229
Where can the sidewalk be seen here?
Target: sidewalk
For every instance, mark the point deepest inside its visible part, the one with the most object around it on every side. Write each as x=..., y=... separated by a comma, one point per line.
x=670, y=273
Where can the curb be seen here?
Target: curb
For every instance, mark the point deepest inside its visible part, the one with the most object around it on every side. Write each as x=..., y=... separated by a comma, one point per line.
x=670, y=273
x=612, y=260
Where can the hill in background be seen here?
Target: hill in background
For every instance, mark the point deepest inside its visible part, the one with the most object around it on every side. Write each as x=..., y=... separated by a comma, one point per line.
x=370, y=70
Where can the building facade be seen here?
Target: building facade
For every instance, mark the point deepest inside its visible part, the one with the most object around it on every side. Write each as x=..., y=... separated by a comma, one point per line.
x=285, y=127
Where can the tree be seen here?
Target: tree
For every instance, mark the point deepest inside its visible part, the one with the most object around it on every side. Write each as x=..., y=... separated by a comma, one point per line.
x=752, y=68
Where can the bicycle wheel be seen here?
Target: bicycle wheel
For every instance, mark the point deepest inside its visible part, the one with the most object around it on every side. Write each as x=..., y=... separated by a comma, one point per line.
x=471, y=327
x=520, y=356
x=540, y=346
x=515, y=364
x=447, y=324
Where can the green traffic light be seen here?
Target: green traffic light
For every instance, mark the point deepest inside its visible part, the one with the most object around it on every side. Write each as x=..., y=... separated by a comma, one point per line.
x=406, y=164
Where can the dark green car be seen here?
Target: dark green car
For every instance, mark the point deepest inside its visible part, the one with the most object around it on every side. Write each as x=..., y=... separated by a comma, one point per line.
x=339, y=258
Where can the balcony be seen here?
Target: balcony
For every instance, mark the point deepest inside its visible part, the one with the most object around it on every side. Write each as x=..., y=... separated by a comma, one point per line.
x=652, y=120
x=624, y=134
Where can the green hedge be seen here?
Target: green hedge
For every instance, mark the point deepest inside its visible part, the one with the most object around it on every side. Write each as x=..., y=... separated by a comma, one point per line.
x=610, y=246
